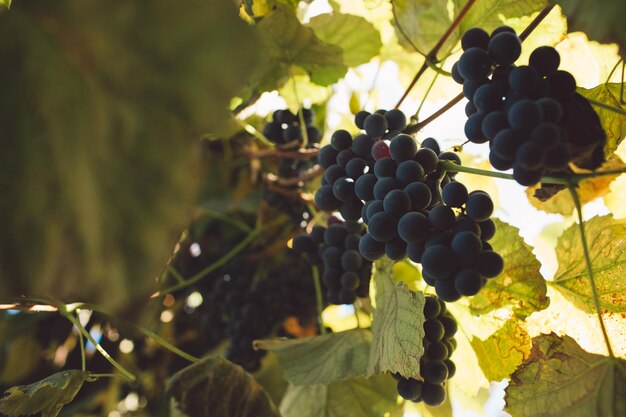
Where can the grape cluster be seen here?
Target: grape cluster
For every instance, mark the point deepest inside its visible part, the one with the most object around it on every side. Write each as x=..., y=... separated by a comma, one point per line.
x=239, y=304
x=349, y=161
x=445, y=229
x=346, y=275
x=435, y=366
x=519, y=110
x=286, y=133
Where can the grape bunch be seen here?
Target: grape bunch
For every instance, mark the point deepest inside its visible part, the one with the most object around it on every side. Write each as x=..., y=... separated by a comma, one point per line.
x=286, y=133
x=346, y=275
x=445, y=229
x=349, y=161
x=519, y=110
x=435, y=366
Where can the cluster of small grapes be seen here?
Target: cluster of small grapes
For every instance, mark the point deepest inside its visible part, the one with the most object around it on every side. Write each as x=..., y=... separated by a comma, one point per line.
x=346, y=274
x=286, y=133
x=349, y=161
x=519, y=110
x=408, y=215
x=435, y=366
x=238, y=305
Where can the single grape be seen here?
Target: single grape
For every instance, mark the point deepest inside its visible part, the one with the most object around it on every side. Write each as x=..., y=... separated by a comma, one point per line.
x=442, y=217
x=547, y=135
x=415, y=251
x=431, y=308
x=433, y=394
x=545, y=60
x=470, y=87
x=291, y=133
x=449, y=324
x=364, y=187
x=428, y=159
x=456, y=75
x=410, y=171
x=380, y=150
x=504, y=48
x=501, y=29
x=489, y=264
x=351, y=260
x=350, y=280
x=523, y=79
x=356, y=167
x=396, y=120
x=327, y=156
x=382, y=227
x=325, y=199
x=402, y=147
x=500, y=163
x=395, y=249
x=479, y=206
x=439, y=261
x=351, y=210
x=359, y=118
x=414, y=227
x=465, y=224
x=475, y=38
x=343, y=189
x=473, y=128
x=467, y=282
x=562, y=85
x=470, y=108
x=410, y=389
x=551, y=109
x=530, y=156
x=454, y=194
x=434, y=330
x=274, y=132
x=362, y=146
x=397, y=202
x=506, y=143
x=437, y=351
x=487, y=229
x=340, y=140
x=385, y=167
x=474, y=64
x=434, y=371
x=466, y=245
x=371, y=249
x=331, y=256
x=343, y=157
x=524, y=114
x=451, y=368
x=487, y=98
x=446, y=290
x=352, y=241
x=373, y=207
x=333, y=173
x=526, y=177
x=375, y=125
x=493, y=123
x=431, y=143
x=384, y=185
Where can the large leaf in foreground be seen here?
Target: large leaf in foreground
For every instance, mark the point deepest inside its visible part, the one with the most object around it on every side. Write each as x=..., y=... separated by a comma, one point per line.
x=100, y=112
x=562, y=380
x=47, y=396
x=372, y=397
x=215, y=387
x=501, y=353
x=520, y=286
x=397, y=327
x=606, y=237
x=322, y=359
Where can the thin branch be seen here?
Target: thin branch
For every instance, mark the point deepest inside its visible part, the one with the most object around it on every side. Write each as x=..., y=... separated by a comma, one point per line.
x=588, y=264
x=432, y=55
x=277, y=153
x=607, y=106
x=536, y=21
x=83, y=360
x=167, y=345
x=253, y=131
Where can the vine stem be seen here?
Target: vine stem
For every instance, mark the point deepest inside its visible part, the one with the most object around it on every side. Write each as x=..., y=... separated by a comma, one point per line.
x=529, y=29
x=583, y=238
x=318, y=297
x=432, y=55
x=167, y=345
x=223, y=260
x=70, y=316
x=83, y=359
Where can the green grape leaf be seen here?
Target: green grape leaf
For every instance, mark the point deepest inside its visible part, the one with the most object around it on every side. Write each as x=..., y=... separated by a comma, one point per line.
x=47, y=396
x=372, y=397
x=397, y=327
x=288, y=42
x=322, y=359
x=215, y=387
x=520, y=287
x=358, y=38
x=614, y=124
x=605, y=237
x=420, y=24
x=561, y=380
x=100, y=149
x=501, y=353
x=588, y=190
x=601, y=20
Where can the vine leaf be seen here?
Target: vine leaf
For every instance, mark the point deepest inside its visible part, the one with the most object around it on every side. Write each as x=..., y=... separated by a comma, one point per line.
x=96, y=163
x=501, y=353
x=607, y=247
x=47, y=396
x=614, y=124
x=422, y=22
x=372, y=397
x=601, y=20
x=588, y=190
x=520, y=287
x=489, y=14
x=215, y=387
x=322, y=359
x=358, y=38
x=397, y=326
x=287, y=42
x=560, y=379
